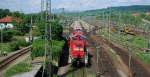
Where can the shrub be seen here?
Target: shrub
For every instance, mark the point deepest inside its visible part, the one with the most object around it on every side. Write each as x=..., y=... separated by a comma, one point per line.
x=14, y=46
x=22, y=67
x=5, y=47
x=38, y=48
x=56, y=28
x=22, y=43
x=7, y=35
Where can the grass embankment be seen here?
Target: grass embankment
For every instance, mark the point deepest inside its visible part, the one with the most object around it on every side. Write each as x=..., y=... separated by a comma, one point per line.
x=24, y=66
x=134, y=43
x=12, y=46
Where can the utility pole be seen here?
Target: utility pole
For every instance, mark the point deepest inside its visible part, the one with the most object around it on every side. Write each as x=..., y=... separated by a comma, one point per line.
x=42, y=9
x=49, y=35
x=147, y=31
x=1, y=39
x=46, y=16
x=97, y=54
x=109, y=26
x=30, y=33
x=148, y=37
x=119, y=27
x=103, y=18
x=45, y=36
x=63, y=18
x=97, y=59
x=130, y=57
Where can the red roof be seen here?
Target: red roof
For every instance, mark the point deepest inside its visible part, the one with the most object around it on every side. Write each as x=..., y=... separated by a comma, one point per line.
x=8, y=19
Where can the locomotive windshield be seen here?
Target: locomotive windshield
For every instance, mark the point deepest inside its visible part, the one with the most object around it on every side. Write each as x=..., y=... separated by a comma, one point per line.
x=78, y=48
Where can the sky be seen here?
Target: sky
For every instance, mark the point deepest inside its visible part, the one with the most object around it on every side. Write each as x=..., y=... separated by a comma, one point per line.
x=33, y=6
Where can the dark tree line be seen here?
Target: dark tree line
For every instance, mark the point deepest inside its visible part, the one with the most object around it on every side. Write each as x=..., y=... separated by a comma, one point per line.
x=4, y=12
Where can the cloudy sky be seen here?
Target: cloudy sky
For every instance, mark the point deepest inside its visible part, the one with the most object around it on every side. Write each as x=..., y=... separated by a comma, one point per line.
x=29, y=6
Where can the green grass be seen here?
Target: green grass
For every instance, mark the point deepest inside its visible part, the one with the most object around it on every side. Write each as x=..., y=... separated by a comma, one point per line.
x=5, y=48
x=134, y=43
x=24, y=66
x=12, y=46
x=145, y=57
x=38, y=48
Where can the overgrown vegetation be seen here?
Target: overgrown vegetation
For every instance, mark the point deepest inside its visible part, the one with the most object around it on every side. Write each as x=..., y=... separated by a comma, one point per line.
x=10, y=43
x=56, y=29
x=13, y=46
x=134, y=43
x=57, y=39
x=21, y=28
x=7, y=35
x=38, y=48
x=24, y=66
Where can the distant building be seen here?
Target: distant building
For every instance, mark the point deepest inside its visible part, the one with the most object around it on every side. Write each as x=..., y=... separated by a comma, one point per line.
x=7, y=22
x=135, y=14
x=148, y=13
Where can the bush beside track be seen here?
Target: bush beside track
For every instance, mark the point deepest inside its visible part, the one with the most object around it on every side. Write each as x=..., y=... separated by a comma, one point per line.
x=38, y=48
x=17, y=69
x=13, y=46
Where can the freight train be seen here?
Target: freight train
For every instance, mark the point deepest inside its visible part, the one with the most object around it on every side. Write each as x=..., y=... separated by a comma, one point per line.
x=77, y=43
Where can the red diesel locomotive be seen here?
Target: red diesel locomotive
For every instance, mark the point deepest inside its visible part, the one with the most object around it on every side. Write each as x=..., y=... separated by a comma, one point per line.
x=77, y=47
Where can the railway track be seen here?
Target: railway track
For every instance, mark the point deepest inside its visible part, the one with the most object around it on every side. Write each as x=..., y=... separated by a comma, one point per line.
x=80, y=72
x=106, y=64
x=103, y=64
x=74, y=71
x=8, y=60
x=101, y=60
x=138, y=68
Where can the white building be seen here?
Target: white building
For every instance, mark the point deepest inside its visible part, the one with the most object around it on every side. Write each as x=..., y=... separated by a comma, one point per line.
x=7, y=22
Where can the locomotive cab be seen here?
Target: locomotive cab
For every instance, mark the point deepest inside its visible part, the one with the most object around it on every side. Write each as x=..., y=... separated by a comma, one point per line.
x=77, y=51
x=77, y=45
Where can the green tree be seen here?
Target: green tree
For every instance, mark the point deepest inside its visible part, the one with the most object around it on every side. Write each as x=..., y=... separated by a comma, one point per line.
x=7, y=35
x=24, y=26
x=56, y=28
x=4, y=12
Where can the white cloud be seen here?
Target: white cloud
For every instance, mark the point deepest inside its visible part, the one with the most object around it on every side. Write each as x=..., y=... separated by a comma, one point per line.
x=79, y=4
x=128, y=0
x=34, y=5
x=135, y=0
x=21, y=5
